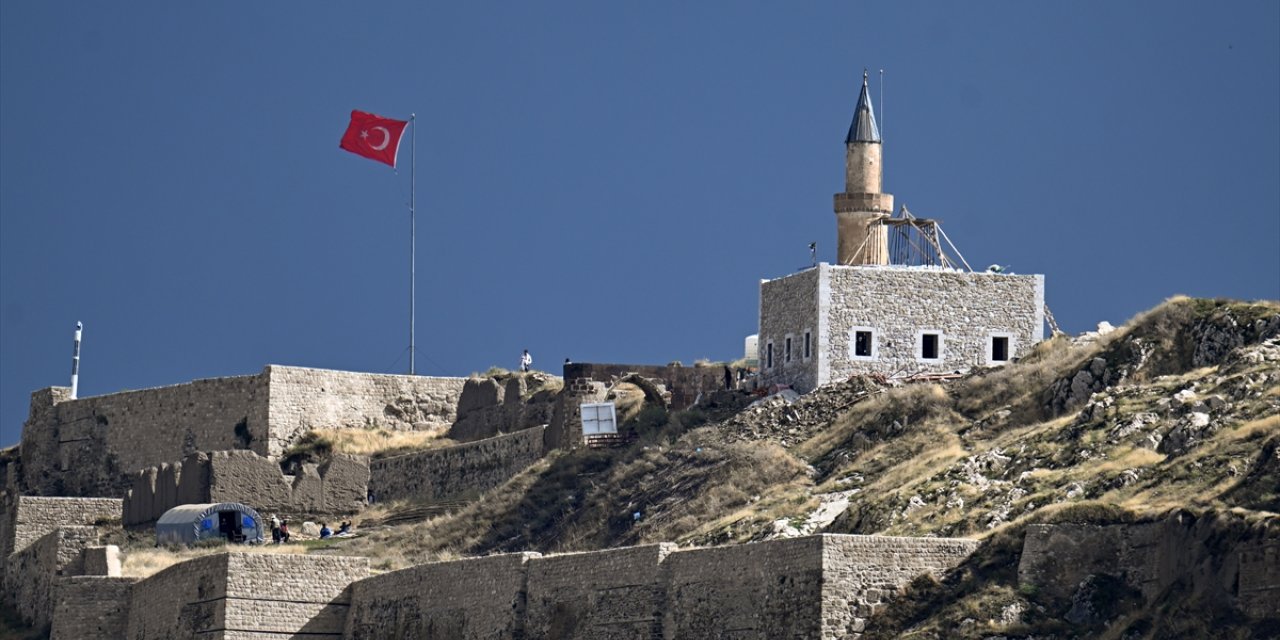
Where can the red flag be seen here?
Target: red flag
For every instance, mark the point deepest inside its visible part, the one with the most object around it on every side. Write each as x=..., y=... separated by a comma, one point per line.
x=373, y=136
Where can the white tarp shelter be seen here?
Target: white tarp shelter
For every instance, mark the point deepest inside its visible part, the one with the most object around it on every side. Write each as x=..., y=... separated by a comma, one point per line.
x=190, y=523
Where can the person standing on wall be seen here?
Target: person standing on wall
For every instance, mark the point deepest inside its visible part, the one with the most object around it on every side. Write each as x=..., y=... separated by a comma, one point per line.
x=526, y=361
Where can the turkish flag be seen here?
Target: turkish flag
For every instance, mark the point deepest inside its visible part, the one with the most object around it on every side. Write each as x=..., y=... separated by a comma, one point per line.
x=373, y=136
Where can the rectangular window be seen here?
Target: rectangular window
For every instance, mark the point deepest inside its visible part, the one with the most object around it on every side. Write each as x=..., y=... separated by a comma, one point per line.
x=768, y=356
x=929, y=346
x=999, y=349
x=786, y=349
x=862, y=344
x=806, y=345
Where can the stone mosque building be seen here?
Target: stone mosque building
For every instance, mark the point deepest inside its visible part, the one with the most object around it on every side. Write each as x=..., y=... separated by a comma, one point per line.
x=896, y=302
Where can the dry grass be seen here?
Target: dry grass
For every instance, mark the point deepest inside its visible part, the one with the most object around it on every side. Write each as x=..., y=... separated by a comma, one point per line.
x=377, y=442
x=141, y=563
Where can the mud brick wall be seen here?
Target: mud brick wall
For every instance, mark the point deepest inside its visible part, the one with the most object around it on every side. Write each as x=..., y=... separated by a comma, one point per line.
x=455, y=472
x=602, y=595
x=30, y=574
x=304, y=399
x=336, y=487
x=756, y=591
x=472, y=599
x=861, y=573
x=28, y=518
x=91, y=607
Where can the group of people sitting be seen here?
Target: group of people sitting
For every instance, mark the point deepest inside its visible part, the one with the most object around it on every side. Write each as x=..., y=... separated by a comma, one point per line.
x=280, y=530
x=326, y=532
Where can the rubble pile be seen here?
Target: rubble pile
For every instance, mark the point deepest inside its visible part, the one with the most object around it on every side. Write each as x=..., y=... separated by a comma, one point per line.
x=787, y=422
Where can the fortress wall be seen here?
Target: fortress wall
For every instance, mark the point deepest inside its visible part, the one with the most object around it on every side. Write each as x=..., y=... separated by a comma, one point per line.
x=306, y=595
x=338, y=486
x=756, y=591
x=899, y=303
x=472, y=599
x=683, y=383
x=789, y=307
x=86, y=446
x=181, y=601
x=489, y=406
x=29, y=518
x=303, y=399
x=565, y=429
x=30, y=573
x=453, y=472
x=613, y=594
x=862, y=573
x=91, y=607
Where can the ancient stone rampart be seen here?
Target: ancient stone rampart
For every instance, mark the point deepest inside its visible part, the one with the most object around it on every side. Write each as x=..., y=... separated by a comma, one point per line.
x=450, y=473
x=338, y=486
x=779, y=589
x=30, y=573
x=90, y=446
x=1233, y=569
x=92, y=607
x=489, y=406
x=25, y=519
x=589, y=382
x=619, y=593
x=246, y=595
x=471, y=599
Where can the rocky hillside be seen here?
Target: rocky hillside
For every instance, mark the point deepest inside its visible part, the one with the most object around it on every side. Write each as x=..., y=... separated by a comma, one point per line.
x=1175, y=415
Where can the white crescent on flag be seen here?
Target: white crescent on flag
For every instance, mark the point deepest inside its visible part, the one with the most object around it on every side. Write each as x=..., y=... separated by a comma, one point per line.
x=386, y=139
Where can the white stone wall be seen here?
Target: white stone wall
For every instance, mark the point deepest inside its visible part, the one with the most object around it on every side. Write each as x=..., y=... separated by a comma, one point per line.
x=897, y=304
x=789, y=307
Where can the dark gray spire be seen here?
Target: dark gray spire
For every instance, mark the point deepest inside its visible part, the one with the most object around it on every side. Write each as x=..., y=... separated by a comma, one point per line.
x=864, y=127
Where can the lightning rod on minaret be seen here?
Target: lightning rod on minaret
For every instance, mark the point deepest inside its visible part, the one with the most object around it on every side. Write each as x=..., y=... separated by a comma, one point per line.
x=75, y=362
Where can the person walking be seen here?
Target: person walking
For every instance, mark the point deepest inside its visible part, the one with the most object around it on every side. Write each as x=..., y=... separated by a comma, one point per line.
x=526, y=361
x=275, y=528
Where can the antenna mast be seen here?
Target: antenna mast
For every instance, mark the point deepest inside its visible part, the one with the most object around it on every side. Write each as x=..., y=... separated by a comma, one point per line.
x=75, y=363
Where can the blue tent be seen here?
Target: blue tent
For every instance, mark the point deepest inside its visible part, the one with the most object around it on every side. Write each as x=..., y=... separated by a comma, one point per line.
x=190, y=523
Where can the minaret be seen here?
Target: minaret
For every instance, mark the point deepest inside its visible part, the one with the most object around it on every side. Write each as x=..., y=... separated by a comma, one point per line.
x=860, y=240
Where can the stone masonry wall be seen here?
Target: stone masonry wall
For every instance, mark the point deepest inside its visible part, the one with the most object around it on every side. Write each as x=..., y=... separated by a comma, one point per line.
x=303, y=399
x=86, y=446
x=766, y=590
x=603, y=595
x=25, y=519
x=897, y=304
x=1233, y=568
x=472, y=599
x=91, y=607
x=748, y=592
x=862, y=573
x=246, y=595
x=789, y=307
x=91, y=446
x=490, y=406
x=30, y=573
x=450, y=473
x=336, y=487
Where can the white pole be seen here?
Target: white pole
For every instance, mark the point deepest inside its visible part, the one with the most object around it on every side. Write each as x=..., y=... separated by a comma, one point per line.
x=75, y=363
x=413, y=243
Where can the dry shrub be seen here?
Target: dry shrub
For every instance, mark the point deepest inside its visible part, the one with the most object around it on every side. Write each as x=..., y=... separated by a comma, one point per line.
x=376, y=443
x=141, y=563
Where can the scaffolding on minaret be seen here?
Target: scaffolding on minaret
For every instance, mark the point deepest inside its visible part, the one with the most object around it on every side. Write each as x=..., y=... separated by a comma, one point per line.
x=917, y=242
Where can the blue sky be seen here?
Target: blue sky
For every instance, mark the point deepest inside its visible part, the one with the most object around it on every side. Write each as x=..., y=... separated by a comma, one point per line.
x=606, y=181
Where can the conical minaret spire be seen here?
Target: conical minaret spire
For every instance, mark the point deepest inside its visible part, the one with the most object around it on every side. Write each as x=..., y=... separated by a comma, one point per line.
x=863, y=128
x=861, y=239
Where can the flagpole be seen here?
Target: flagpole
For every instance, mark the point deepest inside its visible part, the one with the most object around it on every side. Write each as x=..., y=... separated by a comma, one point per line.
x=413, y=245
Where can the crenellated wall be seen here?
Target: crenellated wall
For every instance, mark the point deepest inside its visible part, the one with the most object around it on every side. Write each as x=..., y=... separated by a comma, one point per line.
x=450, y=473
x=338, y=486
x=92, y=446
